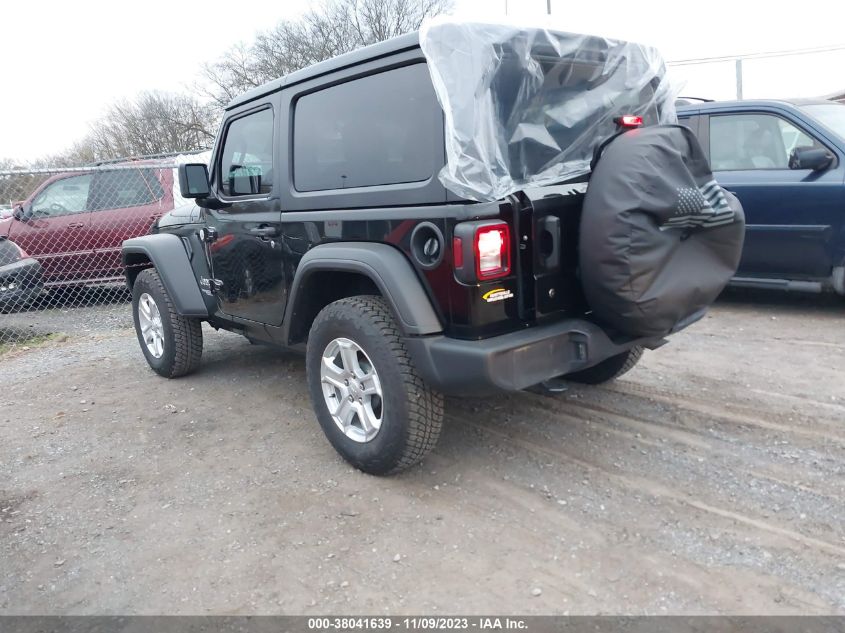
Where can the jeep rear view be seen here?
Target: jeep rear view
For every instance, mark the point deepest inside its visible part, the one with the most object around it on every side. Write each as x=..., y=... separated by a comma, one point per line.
x=470, y=209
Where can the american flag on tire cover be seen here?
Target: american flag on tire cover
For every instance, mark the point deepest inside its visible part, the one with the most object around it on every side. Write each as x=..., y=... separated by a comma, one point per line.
x=704, y=207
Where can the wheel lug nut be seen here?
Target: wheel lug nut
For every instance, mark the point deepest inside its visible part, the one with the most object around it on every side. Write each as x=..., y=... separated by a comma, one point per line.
x=351, y=398
x=346, y=382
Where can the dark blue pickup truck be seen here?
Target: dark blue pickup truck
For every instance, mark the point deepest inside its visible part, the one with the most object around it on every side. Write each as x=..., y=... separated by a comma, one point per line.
x=785, y=161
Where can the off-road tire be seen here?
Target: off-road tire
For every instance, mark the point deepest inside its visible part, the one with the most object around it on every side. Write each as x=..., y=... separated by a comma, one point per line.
x=608, y=369
x=413, y=412
x=182, y=335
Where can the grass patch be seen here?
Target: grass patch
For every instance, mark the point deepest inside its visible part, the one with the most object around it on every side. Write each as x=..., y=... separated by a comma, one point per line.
x=30, y=342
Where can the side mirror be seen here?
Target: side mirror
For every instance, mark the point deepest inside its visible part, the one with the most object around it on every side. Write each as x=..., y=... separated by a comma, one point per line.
x=193, y=181
x=808, y=158
x=244, y=180
x=20, y=213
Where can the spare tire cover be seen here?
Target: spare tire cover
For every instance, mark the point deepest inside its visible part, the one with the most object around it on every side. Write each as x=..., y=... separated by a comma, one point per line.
x=659, y=238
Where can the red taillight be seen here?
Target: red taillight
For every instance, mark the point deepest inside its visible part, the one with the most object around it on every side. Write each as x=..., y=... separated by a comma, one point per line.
x=628, y=121
x=492, y=251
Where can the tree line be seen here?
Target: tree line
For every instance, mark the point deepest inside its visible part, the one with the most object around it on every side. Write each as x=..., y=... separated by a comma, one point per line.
x=156, y=122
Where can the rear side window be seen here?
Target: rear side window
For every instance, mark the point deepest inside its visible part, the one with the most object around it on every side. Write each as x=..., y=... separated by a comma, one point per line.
x=377, y=130
x=246, y=163
x=124, y=188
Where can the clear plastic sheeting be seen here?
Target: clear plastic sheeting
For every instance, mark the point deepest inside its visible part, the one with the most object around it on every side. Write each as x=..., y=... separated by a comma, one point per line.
x=527, y=106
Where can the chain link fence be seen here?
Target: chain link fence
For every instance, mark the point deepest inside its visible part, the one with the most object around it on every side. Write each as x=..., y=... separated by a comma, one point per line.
x=61, y=231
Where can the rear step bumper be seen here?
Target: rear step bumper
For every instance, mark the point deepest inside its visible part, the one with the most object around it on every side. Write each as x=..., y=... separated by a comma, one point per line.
x=514, y=361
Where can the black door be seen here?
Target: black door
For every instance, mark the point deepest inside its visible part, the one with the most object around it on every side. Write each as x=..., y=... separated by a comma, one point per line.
x=246, y=251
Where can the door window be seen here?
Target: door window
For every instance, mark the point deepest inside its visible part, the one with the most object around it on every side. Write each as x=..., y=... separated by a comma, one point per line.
x=246, y=163
x=63, y=197
x=754, y=141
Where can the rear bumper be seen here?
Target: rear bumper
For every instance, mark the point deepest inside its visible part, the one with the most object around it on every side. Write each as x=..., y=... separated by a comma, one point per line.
x=517, y=360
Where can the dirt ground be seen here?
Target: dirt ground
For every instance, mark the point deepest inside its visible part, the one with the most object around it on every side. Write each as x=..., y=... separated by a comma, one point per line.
x=711, y=479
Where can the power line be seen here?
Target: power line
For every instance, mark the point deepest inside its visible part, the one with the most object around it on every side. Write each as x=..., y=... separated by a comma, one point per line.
x=761, y=55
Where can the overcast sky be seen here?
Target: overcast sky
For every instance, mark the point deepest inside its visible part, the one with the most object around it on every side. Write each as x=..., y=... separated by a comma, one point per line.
x=65, y=61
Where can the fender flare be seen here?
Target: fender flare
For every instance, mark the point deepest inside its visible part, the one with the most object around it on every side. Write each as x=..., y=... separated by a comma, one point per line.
x=389, y=270
x=168, y=256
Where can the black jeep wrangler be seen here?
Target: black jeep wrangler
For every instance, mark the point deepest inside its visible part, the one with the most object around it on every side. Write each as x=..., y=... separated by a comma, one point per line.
x=423, y=222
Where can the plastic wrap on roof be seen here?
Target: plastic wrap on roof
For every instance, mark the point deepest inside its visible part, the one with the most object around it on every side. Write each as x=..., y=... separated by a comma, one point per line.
x=527, y=106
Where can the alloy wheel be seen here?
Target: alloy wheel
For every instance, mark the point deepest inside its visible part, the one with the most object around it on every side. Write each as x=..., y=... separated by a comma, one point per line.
x=352, y=390
x=149, y=320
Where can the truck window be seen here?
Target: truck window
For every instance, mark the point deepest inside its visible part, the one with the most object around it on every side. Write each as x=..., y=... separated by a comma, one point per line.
x=246, y=163
x=63, y=197
x=124, y=188
x=753, y=141
x=377, y=130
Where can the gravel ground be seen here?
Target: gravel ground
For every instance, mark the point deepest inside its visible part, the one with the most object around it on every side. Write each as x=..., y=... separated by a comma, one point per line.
x=708, y=480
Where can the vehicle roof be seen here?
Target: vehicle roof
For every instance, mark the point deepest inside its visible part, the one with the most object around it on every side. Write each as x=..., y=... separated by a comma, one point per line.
x=359, y=56
x=372, y=52
x=712, y=105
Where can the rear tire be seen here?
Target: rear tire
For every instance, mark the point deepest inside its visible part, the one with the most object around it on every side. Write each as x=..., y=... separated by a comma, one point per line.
x=393, y=419
x=608, y=369
x=171, y=343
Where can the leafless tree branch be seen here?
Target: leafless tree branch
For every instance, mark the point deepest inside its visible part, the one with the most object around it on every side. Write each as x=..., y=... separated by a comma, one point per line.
x=327, y=30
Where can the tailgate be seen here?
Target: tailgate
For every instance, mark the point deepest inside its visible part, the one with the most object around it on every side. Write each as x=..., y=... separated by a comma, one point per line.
x=549, y=221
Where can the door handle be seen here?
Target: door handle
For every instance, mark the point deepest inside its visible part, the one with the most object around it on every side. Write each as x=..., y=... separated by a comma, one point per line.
x=265, y=231
x=76, y=225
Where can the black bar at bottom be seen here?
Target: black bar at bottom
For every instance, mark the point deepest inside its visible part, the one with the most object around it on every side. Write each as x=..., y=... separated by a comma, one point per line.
x=351, y=623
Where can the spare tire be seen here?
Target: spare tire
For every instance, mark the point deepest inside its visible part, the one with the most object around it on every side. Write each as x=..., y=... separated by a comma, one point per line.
x=659, y=238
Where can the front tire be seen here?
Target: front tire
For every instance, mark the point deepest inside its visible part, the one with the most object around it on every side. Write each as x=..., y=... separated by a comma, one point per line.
x=372, y=404
x=171, y=343
x=609, y=369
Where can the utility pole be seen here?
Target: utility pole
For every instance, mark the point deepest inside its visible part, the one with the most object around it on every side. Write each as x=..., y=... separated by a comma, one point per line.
x=549, y=7
x=739, y=78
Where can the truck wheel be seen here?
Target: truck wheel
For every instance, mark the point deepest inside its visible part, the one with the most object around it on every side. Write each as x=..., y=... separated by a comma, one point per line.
x=373, y=406
x=608, y=369
x=172, y=344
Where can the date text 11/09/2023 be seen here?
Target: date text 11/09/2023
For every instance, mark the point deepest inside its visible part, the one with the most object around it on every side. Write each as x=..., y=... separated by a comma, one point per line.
x=415, y=623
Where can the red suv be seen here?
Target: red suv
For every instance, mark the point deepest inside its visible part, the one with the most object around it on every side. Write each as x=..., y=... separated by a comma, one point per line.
x=74, y=223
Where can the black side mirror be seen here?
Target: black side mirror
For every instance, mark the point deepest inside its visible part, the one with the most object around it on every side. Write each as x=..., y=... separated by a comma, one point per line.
x=193, y=181
x=809, y=158
x=20, y=213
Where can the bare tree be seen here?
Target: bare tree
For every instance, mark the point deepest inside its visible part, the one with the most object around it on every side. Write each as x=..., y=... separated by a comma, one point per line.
x=151, y=123
x=332, y=28
x=159, y=122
